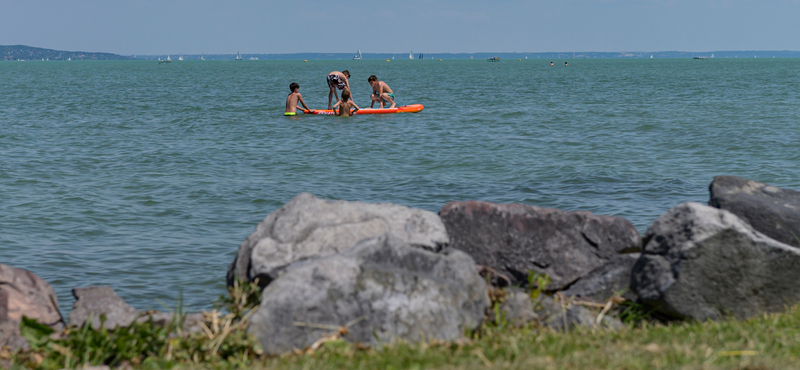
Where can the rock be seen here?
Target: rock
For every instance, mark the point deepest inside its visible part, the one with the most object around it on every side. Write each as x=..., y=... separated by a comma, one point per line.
x=384, y=288
x=515, y=238
x=558, y=316
x=24, y=293
x=768, y=209
x=705, y=263
x=308, y=227
x=517, y=308
x=94, y=301
x=612, y=278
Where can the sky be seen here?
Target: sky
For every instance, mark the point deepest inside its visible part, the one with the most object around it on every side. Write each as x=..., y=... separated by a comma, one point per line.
x=154, y=27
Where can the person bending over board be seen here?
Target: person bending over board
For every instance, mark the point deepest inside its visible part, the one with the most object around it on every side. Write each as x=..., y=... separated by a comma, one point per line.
x=292, y=100
x=338, y=80
x=381, y=92
x=345, y=105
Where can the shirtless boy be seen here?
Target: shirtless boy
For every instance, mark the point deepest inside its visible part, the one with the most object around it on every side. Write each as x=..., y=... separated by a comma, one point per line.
x=381, y=92
x=292, y=100
x=345, y=105
x=338, y=80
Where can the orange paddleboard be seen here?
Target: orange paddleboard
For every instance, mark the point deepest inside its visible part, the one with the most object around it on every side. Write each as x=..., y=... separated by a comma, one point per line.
x=412, y=108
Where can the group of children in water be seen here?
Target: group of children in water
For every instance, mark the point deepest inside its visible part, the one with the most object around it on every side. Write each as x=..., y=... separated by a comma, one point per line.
x=381, y=93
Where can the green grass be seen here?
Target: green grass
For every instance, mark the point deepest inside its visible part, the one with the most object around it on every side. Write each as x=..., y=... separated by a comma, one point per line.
x=765, y=342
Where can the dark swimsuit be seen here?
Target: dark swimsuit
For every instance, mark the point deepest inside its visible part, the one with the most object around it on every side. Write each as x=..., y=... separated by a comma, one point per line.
x=335, y=81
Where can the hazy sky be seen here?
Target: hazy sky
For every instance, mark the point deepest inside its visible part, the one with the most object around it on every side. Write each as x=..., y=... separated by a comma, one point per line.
x=250, y=26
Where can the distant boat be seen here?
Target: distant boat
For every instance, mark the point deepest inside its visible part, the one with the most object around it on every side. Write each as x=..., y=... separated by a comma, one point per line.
x=651, y=56
x=470, y=57
x=238, y=56
x=493, y=59
x=392, y=56
x=700, y=58
x=421, y=56
x=253, y=58
x=68, y=59
x=358, y=55
x=201, y=57
x=180, y=57
x=168, y=60
x=411, y=55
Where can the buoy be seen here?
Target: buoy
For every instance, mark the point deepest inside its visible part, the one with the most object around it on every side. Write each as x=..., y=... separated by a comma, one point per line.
x=519, y=60
x=387, y=60
x=440, y=60
x=305, y=60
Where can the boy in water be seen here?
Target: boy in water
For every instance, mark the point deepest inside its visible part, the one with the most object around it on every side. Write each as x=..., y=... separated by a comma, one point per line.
x=338, y=80
x=292, y=99
x=381, y=92
x=345, y=105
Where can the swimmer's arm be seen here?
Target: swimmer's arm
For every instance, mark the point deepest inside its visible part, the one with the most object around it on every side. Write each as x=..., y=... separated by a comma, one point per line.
x=300, y=99
x=356, y=106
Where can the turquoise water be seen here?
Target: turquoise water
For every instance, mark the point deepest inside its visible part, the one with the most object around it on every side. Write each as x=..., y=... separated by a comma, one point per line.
x=147, y=176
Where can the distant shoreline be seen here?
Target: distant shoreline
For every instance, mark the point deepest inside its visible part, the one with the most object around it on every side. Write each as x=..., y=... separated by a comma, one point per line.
x=22, y=52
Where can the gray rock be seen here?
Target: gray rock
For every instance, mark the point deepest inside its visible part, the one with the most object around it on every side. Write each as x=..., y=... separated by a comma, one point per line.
x=515, y=238
x=705, y=263
x=768, y=209
x=383, y=287
x=612, y=278
x=560, y=315
x=94, y=301
x=517, y=308
x=308, y=227
x=24, y=293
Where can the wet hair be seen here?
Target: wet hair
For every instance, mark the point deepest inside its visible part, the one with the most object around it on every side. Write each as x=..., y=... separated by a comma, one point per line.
x=293, y=86
x=346, y=73
x=372, y=78
x=345, y=94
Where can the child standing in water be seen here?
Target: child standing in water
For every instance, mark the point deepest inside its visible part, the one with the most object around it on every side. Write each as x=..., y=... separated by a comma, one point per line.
x=345, y=105
x=338, y=80
x=292, y=100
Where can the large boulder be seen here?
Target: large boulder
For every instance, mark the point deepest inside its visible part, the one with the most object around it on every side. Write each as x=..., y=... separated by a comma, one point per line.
x=705, y=263
x=308, y=227
x=384, y=288
x=770, y=210
x=24, y=293
x=514, y=239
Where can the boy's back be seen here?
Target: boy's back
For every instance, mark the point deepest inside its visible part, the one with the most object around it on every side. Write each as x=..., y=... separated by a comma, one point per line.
x=345, y=107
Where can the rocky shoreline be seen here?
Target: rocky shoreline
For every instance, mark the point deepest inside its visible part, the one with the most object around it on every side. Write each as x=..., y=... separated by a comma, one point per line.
x=384, y=272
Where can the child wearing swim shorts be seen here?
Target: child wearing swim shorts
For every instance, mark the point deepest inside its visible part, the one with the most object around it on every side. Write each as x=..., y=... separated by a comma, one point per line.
x=381, y=92
x=292, y=100
x=345, y=105
x=340, y=80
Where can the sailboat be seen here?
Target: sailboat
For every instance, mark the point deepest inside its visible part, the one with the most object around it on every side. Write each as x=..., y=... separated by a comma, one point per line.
x=201, y=57
x=358, y=55
x=238, y=56
x=411, y=55
x=180, y=57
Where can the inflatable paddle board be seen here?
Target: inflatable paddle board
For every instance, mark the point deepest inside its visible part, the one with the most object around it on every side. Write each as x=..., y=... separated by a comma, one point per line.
x=412, y=108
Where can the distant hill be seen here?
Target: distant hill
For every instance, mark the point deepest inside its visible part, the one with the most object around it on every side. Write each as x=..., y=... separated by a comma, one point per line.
x=503, y=55
x=22, y=52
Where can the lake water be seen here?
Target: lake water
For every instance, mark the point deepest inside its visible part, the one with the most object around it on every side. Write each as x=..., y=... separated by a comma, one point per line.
x=147, y=176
